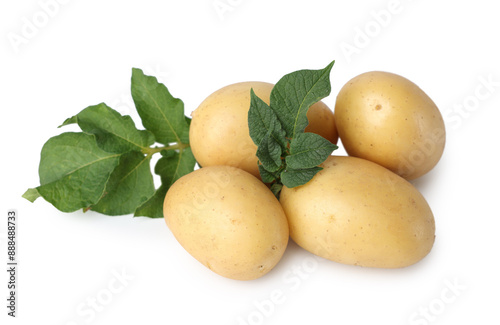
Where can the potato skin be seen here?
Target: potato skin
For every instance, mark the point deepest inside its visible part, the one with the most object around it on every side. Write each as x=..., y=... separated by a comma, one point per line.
x=387, y=119
x=219, y=133
x=228, y=220
x=356, y=212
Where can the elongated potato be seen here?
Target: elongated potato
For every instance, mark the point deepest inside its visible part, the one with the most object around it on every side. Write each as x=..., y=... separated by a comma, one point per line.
x=219, y=133
x=357, y=212
x=386, y=118
x=228, y=220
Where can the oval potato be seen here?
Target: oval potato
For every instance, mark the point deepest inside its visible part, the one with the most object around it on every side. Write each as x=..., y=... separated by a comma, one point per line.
x=228, y=220
x=219, y=133
x=387, y=119
x=356, y=212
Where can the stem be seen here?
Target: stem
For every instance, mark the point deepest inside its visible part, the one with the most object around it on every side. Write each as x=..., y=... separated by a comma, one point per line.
x=151, y=151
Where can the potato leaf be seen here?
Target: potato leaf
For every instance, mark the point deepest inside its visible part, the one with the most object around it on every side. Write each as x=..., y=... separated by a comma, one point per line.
x=287, y=155
x=262, y=120
x=269, y=154
x=175, y=165
x=107, y=167
x=266, y=176
x=296, y=177
x=114, y=132
x=153, y=208
x=73, y=171
x=276, y=189
x=129, y=186
x=31, y=194
x=172, y=166
x=160, y=112
x=308, y=150
x=293, y=94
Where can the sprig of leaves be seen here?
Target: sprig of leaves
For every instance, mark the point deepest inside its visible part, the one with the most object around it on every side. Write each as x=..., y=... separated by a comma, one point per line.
x=106, y=167
x=287, y=155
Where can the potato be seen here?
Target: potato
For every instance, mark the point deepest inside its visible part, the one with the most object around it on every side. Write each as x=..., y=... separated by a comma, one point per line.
x=219, y=133
x=387, y=119
x=228, y=220
x=322, y=121
x=357, y=212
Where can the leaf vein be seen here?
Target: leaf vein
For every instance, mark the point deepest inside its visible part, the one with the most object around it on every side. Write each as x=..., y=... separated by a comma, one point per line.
x=177, y=137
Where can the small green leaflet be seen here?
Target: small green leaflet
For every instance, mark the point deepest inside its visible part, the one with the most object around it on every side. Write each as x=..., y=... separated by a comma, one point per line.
x=106, y=168
x=263, y=122
x=129, y=186
x=153, y=208
x=269, y=154
x=287, y=155
x=266, y=176
x=293, y=94
x=173, y=166
x=114, y=132
x=308, y=150
x=296, y=177
x=73, y=171
x=31, y=194
x=160, y=112
x=276, y=189
x=170, y=168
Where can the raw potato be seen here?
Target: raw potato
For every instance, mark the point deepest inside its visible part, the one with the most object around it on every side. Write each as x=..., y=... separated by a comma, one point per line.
x=219, y=132
x=389, y=120
x=357, y=212
x=228, y=220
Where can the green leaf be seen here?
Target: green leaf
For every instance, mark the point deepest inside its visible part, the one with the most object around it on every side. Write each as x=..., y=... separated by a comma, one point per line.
x=114, y=132
x=296, y=177
x=31, y=194
x=267, y=177
x=276, y=189
x=153, y=208
x=129, y=186
x=293, y=94
x=73, y=171
x=160, y=112
x=170, y=168
x=263, y=121
x=308, y=150
x=287, y=155
x=269, y=154
x=68, y=121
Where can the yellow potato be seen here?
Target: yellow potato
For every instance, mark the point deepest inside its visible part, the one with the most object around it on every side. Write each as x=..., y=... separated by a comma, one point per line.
x=219, y=133
x=357, y=212
x=228, y=220
x=387, y=119
x=322, y=122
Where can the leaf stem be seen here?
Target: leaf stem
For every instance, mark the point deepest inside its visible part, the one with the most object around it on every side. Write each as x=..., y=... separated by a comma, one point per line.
x=151, y=151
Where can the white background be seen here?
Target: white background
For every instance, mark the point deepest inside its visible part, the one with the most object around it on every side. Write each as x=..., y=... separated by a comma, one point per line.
x=82, y=53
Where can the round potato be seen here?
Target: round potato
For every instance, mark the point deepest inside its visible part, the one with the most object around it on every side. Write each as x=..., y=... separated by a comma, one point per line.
x=357, y=212
x=387, y=119
x=228, y=220
x=219, y=133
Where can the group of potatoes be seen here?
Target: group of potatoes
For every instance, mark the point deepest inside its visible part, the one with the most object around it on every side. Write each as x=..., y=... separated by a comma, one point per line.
x=359, y=209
